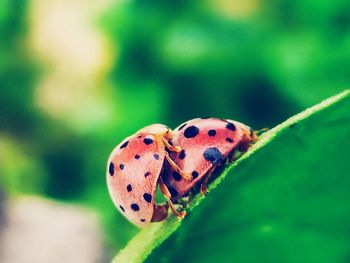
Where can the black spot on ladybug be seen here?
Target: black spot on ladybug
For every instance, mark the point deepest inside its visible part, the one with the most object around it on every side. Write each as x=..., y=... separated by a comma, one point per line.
x=111, y=169
x=172, y=191
x=156, y=156
x=213, y=155
x=176, y=176
x=147, y=197
x=195, y=174
x=129, y=188
x=139, y=136
x=147, y=141
x=182, y=154
x=122, y=208
x=124, y=145
x=137, y=156
x=143, y=220
x=230, y=126
x=181, y=127
x=191, y=132
x=135, y=207
x=212, y=133
x=229, y=140
x=147, y=174
x=121, y=166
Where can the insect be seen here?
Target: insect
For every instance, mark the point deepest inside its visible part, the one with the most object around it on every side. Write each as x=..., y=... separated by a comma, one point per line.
x=133, y=174
x=205, y=144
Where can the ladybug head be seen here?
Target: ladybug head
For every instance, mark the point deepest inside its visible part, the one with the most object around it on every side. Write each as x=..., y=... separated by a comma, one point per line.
x=159, y=130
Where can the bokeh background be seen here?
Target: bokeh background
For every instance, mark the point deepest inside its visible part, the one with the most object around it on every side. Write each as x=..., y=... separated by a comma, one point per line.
x=76, y=77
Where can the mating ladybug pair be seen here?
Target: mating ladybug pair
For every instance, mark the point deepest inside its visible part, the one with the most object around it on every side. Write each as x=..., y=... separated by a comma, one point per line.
x=175, y=160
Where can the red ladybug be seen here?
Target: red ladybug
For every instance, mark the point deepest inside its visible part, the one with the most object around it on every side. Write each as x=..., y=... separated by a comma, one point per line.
x=206, y=143
x=133, y=174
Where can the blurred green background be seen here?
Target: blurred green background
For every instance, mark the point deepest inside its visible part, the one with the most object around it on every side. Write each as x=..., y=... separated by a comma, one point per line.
x=76, y=78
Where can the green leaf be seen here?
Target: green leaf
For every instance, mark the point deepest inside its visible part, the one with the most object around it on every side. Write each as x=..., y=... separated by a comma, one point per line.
x=286, y=200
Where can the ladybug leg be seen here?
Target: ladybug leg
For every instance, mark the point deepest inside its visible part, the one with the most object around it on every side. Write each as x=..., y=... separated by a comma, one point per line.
x=249, y=137
x=171, y=162
x=253, y=136
x=234, y=155
x=171, y=147
x=160, y=212
x=258, y=133
x=204, y=189
x=184, y=175
x=164, y=189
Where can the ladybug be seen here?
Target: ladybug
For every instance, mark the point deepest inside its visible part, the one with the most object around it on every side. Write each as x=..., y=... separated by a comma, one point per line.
x=133, y=174
x=205, y=143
